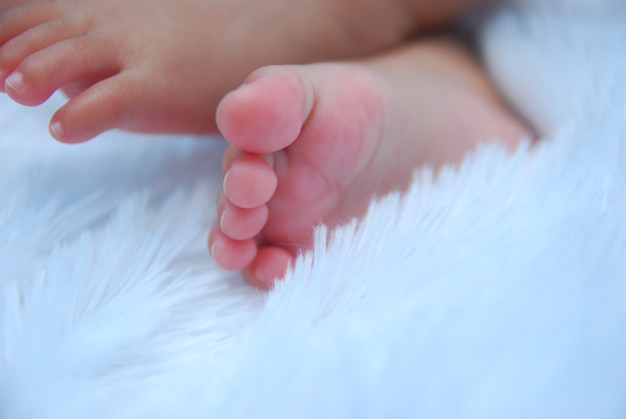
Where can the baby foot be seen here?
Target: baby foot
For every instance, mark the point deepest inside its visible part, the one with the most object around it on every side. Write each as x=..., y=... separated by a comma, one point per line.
x=312, y=144
x=163, y=65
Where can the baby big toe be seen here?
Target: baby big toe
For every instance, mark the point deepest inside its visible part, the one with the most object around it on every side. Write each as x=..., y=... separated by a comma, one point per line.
x=265, y=114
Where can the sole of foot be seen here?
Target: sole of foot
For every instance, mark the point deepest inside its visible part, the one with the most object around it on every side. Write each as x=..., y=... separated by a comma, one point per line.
x=313, y=144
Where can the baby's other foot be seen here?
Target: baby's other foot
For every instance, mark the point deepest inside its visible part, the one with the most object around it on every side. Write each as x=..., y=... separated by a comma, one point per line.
x=313, y=144
x=163, y=65
x=116, y=60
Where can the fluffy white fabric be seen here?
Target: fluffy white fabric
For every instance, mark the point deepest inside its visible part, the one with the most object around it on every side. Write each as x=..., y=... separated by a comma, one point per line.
x=495, y=291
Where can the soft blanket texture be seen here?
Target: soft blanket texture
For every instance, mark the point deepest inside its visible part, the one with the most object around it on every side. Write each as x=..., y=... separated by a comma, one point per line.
x=494, y=290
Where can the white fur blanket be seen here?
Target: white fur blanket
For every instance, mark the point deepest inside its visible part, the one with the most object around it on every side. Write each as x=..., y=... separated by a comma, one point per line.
x=496, y=291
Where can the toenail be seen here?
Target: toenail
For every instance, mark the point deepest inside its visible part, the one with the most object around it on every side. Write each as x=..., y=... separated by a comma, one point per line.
x=213, y=249
x=225, y=182
x=57, y=131
x=222, y=219
x=16, y=82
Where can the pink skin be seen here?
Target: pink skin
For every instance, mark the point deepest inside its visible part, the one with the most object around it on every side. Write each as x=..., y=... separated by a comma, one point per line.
x=312, y=144
x=308, y=144
x=163, y=65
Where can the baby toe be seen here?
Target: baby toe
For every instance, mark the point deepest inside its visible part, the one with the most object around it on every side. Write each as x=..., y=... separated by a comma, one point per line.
x=105, y=105
x=45, y=71
x=242, y=224
x=269, y=265
x=250, y=181
x=232, y=255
